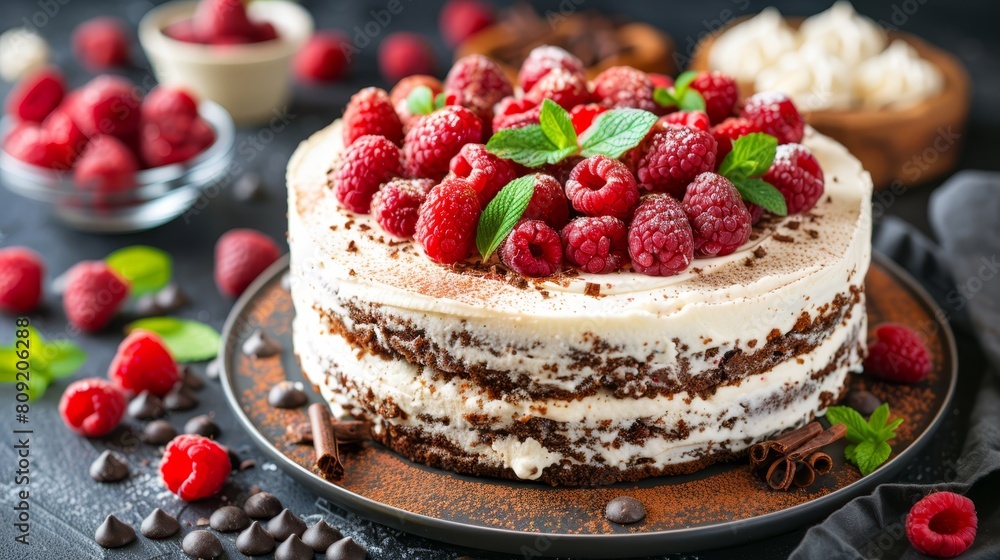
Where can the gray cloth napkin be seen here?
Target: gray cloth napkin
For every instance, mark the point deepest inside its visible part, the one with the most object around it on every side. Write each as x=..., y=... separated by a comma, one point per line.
x=963, y=275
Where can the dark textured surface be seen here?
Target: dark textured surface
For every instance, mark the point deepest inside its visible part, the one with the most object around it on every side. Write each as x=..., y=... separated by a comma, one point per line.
x=66, y=506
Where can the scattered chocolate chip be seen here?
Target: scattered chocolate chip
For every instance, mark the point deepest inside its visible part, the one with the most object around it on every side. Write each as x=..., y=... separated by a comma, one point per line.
x=262, y=505
x=113, y=533
x=247, y=464
x=863, y=401
x=234, y=459
x=203, y=425
x=249, y=188
x=261, y=345
x=191, y=379
x=293, y=549
x=255, y=541
x=321, y=535
x=170, y=298
x=202, y=522
x=228, y=519
x=146, y=306
x=214, y=368
x=346, y=549
x=286, y=524
x=109, y=467
x=287, y=395
x=202, y=544
x=146, y=406
x=180, y=398
x=158, y=432
x=159, y=525
x=625, y=509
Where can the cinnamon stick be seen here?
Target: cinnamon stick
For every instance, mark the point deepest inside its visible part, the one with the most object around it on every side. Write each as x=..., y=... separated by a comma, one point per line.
x=821, y=462
x=764, y=454
x=347, y=431
x=325, y=441
x=805, y=474
x=780, y=474
x=834, y=433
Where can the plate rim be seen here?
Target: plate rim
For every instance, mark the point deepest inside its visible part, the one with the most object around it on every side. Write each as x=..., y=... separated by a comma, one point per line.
x=496, y=539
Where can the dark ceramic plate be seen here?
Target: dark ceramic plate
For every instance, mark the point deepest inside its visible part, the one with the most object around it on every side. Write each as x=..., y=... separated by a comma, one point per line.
x=719, y=506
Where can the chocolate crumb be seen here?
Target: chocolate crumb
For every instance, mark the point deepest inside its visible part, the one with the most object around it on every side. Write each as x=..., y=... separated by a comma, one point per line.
x=794, y=224
x=759, y=252
x=352, y=247
x=248, y=464
x=783, y=238
x=592, y=289
x=261, y=345
x=813, y=233
x=202, y=522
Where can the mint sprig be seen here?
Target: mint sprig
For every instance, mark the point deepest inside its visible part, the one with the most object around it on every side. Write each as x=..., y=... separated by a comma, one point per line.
x=751, y=157
x=188, y=341
x=422, y=101
x=869, y=446
x=615, y=132
x=502, y=214
x=147, y=269
x=681, y=95
x=47, y=362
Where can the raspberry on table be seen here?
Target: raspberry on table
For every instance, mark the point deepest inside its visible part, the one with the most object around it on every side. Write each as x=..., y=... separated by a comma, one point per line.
x=719, y=92
x=898, y=354
x=94, y=293
x=447, y=221
x=583, y=116
x=92, y=407
x=514, y=112
x=478, y=84
x=624, y=86
x=143, y=363
x=567, y=89
x=532, y=249
x=396, y=204
x=365, y=165
x=240, y=256
x=671, y=158
x=106, y=166
x=400, y=93
x=101, y=43
x=697, y=120
x=369, y=112
x=719, y=220
x=942, y=524
x=21, y=273
x=775, y=114
x=797, y=174
x=486, y=172
x=728, y=131
x=169, y=103
x=596, y=244
x=541, y=60
x=194, y=467
x=435, y=139
x=403, y=54
x=106, y=105
x=36, y=95
x=602, y=186
x=460, y=19
x=548, y=203
x=323, y=58
x=660, y=240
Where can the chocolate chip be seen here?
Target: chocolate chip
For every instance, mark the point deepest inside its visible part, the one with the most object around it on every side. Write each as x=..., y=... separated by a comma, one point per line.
x=158, y=432
x=201, y=522
x=109, y=467
x=255, y=541
x=262, y=505
x=863, y=401
x=293, y=549
x=625, y=509
x=234, y=459
x=247, y=464
x=286, y=524
x=320, y=536
x=287, y=395
x=191, y=379
x=346, y=549
x=228, y=519
x=146, y=406
x=261, y=345
x=201, y=544
x=170, y=298
x=146, y=306
x=214, y=368
x=159, y=525
x=180, y=398
x=203, y=425
x=248, y=188
x=113, y=533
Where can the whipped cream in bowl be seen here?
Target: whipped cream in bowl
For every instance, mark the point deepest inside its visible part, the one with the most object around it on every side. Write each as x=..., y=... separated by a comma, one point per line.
x=814, y=79
x=843, y=33
x=752, y=45
x=897, y=78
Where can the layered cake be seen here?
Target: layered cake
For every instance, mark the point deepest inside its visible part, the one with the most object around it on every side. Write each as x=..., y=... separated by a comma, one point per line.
x=576, y=377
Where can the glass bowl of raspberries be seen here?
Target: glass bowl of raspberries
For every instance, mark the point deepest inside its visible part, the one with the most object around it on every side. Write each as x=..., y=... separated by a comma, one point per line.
x=108, y=158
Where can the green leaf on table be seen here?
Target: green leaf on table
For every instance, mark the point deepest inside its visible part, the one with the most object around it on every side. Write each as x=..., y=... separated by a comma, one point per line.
x=751, y=156
x=557, y=125
x=528, y=146
x=64, y=358
x=615, y=132
x=46, y=361
x=857, y=428
x=420, y=101
x=869, y=439
x=681, y=95
x=147, y=269
x=760, y=192
x=187, y=340
x=502, y=214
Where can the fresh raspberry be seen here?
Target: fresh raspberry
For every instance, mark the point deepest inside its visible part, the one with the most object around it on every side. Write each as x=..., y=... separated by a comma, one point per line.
x=106, y=105
x=567, y=89
x=660, y=80
x=562, y=170
x=367, y=163
x=691, y=119
x=400, y=93
x=601, y=186
x=942, y=524
x=728, y=131
x=183, y=31
x=65, y=140
x=92, y=407
x=240, y=256
x=672, y=157
x=596, y=244
x=101, y=43
x=660, y=240
x=143, y=363
x=532, y=249
x=21, y=272
x=94, y=293
x=264, y=31
x=460, y=19
x=514, y=112
x=478, y=83
x=898, y=354
x=719, y=220
x=436, y=138
x=169, y=102
x=797, y=174
x=27, y=142
x=370, y=112
x=194, y=467
x=775, y=114
x=223, y=22
x=541, y=60
x=624, y=86
x=719, y=92
x=106, y=166
x=756, y=212
x=583, y=116
x=323, y=58
x=36, y=95
x=396, y=204
x=548, y=203
x=169, y=141
x=447, y=221
x=403, y=54
x=486, y=172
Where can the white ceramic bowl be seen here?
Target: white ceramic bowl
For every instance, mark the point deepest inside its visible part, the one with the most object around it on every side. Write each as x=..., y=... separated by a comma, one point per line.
x=252, y=81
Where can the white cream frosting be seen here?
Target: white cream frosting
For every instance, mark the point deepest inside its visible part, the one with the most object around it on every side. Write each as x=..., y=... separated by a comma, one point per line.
x=843, y=33
x=814, y=79
x=752, y=45
x=897, y=78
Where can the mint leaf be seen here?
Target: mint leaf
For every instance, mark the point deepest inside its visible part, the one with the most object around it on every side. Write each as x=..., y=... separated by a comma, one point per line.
x=64, y=358
x=857, y=428
x=868, y=455
x=439, y=100
x=503, y=213
x=684, y=80
x=681, y=95
x=557, y=124
x=147, y=269
x=878, y=418
x=528, y=146
x=47, y=361
x=616, y=131
x=763, y=194
x=188, y=341
x=664, y=97
x=420, y=101
x=751, y=156
x=691, y=100
x=869, y=447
